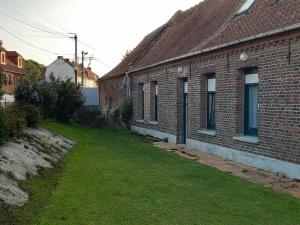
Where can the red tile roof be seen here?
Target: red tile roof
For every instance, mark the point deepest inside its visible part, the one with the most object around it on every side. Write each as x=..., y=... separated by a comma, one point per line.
x=209, y=24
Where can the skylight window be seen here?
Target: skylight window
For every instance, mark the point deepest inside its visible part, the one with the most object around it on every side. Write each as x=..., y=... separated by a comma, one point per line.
x=247, y=4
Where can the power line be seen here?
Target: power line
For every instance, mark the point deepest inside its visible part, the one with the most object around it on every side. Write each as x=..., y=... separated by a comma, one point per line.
x=41, y=49
x=29, y=22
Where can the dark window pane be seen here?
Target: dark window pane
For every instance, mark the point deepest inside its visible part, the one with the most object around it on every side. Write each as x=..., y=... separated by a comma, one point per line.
x=211, y=124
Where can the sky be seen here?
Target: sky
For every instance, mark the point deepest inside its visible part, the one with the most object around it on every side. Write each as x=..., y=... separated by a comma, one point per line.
x=106, y=29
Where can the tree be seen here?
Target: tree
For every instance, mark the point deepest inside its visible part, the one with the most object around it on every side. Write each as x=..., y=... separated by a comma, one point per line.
x=34, y=68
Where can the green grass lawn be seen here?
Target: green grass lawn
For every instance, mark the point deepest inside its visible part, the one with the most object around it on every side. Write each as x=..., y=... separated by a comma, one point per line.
x=115, y=178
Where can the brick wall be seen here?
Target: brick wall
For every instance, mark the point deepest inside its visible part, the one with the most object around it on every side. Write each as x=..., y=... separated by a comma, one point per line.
x=111, y=93
x=278, y=63
x=12, y=82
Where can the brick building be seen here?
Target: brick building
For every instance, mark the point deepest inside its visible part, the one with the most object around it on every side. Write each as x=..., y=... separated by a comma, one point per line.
x=222, y=77
x=11, y=64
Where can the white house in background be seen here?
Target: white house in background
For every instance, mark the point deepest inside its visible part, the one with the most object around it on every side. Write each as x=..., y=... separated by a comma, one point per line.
x=64, y=69
x=60, y=69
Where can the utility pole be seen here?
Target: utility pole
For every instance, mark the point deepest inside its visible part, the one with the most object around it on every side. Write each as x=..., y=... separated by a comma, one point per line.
x=82, y=67
x=76, y=56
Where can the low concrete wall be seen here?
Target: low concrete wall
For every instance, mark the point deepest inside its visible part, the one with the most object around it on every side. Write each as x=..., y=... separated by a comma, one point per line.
x=171, y=138
x=290, y=170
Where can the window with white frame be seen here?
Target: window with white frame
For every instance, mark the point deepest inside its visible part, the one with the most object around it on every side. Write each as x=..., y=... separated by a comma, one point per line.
x=3, y=60
x=211, y=102
x=251, y=102
x=20, y=62
x=245, y=7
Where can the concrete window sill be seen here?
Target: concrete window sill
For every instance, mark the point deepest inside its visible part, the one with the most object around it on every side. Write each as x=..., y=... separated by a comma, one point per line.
x=153, y=123
x=207, y=132
x=140, y=121
x=247, y=139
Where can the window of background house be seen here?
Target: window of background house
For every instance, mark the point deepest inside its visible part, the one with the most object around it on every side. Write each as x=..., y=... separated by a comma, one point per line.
x=211, y=102
x=251, y=102
x=246, y=5
x=19, y=62
x=3, y=58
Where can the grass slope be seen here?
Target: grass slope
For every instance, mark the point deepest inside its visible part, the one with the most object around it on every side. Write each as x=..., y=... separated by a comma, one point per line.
x=114, y=178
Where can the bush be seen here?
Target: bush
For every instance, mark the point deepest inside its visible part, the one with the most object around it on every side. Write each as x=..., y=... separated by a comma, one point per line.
x=55, y=98
x=16, y=118
x=89, y=117
x=126, y=111
x=69, y=99
x=32, y=115
x=4, y=126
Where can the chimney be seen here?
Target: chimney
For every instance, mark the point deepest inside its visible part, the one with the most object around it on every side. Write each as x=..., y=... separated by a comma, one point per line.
x=89, y=68
x=1, y=44
x=60, y=57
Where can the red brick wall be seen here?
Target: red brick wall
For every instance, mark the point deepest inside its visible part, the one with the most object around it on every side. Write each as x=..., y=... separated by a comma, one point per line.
x=278, y=62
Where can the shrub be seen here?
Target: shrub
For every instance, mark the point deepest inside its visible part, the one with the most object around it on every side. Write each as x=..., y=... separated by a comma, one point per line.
x=126, y=111
x=55, y=98
x=16, y=118
x=89, y=117
x=3, y=82
x=69, y=99
x=4, y=126
x=32, y=115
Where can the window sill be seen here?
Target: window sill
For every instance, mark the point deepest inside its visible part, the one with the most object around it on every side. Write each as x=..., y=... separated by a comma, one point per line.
x=247, y=139
x=208, y=132
x=153, y=123
x=140, y=121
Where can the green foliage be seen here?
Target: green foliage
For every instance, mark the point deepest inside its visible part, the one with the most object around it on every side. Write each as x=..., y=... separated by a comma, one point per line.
x=89, y=117
x=32, y=115
x=126, y=111
x=27, y=91
x=55, y=98
x=3, y=82
x=4, y=126
x=33, y=68
x=69, y=99
x=16, y=118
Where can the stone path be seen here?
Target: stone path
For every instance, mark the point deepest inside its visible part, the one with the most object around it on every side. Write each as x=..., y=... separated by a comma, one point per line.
x=249, y=173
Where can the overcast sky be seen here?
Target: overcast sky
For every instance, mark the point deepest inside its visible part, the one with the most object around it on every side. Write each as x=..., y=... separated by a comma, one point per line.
x=111, y=27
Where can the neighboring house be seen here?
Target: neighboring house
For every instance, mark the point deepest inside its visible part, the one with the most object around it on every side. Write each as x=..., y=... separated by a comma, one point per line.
x=11, y=64
x=64, y=69
x=60, y=69
x=89, y=78
x=222, y=77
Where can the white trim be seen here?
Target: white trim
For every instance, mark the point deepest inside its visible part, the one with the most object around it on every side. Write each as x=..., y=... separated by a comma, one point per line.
x=239, y=41
x=153, y=123
x=211, y=84
x=247, y=139
x=251, y=78
x=207, y=132
x=291, y=170
x=171, y=138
